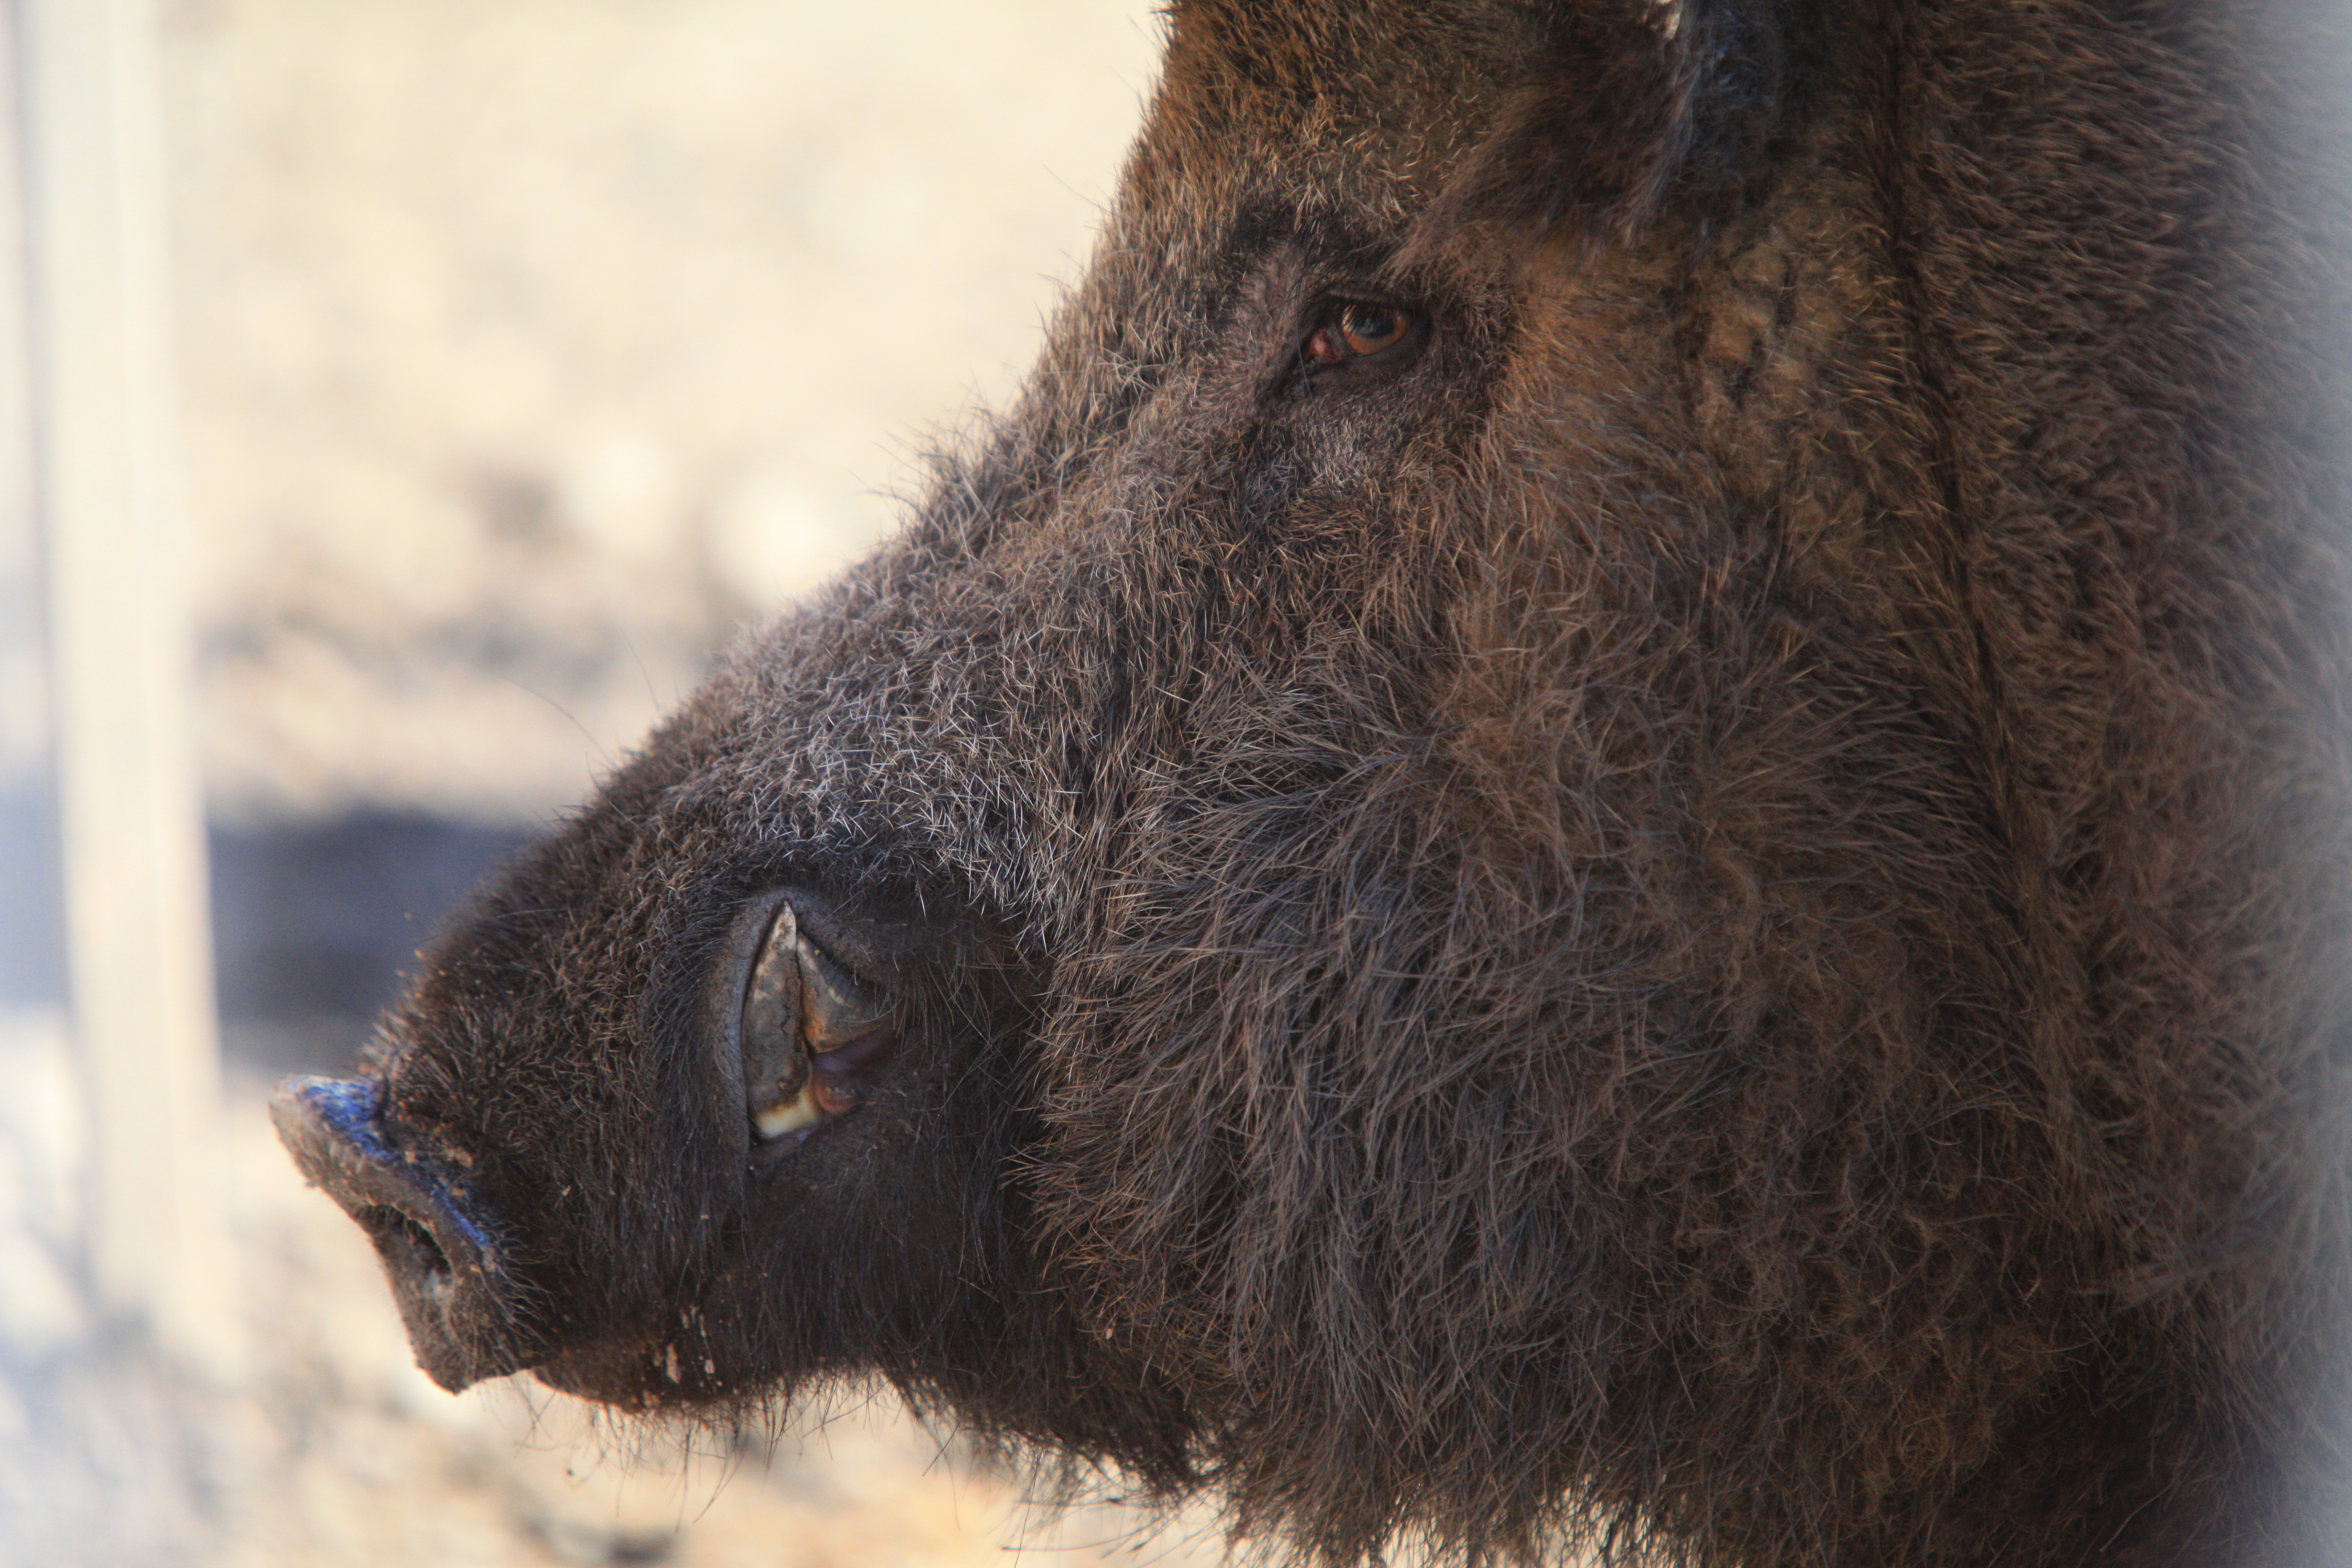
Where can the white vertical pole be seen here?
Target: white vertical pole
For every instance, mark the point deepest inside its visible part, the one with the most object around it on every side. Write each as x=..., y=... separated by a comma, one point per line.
x=129, y=798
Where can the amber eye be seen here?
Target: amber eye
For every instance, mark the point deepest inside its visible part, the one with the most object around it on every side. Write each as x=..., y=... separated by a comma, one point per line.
x=1369, y=329
x=1354, y=332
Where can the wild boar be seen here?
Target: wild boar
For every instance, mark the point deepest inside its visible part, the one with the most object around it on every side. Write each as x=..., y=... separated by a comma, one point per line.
x=1616, y=820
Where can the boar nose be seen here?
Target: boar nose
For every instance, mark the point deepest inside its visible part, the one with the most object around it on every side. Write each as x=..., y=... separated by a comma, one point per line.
x=447, y=1272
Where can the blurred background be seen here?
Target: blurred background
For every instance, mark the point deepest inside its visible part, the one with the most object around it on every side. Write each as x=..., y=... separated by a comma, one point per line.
x=400, y=402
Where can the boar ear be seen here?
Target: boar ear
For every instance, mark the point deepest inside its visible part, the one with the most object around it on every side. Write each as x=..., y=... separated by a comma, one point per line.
x=1630, y=104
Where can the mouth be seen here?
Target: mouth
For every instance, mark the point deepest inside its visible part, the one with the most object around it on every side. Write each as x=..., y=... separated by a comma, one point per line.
x=810, y=1036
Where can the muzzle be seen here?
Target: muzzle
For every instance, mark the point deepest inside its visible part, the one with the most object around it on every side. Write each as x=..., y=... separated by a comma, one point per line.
x=448, y=1271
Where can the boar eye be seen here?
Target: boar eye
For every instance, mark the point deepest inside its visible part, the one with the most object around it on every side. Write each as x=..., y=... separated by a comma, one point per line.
x=1357, y=334
x=810, y=1033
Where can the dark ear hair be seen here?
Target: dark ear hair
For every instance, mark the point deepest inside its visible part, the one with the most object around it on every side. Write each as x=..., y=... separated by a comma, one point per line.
x=1631, y=104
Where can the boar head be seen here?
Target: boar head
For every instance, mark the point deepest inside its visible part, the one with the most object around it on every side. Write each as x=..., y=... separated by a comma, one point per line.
x=1615, y=813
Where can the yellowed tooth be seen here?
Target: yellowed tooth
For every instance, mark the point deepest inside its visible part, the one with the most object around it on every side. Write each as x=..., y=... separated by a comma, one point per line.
x=791, y=1116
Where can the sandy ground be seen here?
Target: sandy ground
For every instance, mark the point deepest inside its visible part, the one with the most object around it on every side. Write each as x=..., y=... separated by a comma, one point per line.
x=531, y=346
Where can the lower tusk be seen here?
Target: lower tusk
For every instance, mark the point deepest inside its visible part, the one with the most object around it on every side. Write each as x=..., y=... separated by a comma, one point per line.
x=805, y=1033
x=794, y=1115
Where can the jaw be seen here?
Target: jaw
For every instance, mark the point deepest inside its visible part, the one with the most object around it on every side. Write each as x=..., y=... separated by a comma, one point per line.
x=643, y=1375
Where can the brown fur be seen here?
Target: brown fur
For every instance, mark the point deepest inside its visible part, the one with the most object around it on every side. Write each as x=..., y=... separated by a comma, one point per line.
x=1713, y=918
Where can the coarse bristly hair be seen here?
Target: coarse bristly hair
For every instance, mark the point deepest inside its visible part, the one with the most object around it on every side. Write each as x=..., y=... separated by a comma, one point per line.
x=1701, y=913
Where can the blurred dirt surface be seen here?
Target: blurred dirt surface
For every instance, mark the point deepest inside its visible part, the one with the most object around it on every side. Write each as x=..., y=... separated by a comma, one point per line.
x=328, y=1447
x=529, y=347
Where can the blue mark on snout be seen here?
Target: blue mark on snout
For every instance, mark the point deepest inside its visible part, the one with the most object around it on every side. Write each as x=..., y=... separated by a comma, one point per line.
x=352, y=1110
x=348, y=1106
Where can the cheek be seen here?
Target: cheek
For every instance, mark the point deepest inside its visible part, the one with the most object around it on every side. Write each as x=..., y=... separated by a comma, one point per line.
x=1349, y=457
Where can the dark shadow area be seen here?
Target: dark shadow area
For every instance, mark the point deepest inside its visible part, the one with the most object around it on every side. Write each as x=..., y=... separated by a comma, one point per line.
x=314, y=923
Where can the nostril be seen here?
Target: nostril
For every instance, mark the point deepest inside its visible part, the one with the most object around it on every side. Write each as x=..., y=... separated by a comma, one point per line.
x=406, y=1245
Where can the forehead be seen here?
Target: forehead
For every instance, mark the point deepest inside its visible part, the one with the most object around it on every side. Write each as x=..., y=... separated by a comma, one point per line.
x=1309, y=94
x=1375, y=56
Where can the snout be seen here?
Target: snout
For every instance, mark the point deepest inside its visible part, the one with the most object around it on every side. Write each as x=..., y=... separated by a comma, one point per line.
x=448, y=1272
